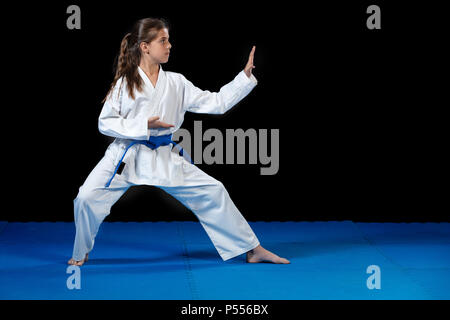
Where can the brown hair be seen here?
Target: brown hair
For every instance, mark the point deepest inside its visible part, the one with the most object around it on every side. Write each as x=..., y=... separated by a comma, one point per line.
x=129, y=57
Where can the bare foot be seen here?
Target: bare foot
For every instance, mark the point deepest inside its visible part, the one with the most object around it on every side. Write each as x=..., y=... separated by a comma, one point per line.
x=259, y=254
x=79, y=263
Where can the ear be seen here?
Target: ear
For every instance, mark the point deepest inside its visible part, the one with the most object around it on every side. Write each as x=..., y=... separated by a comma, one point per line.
x=144, y=47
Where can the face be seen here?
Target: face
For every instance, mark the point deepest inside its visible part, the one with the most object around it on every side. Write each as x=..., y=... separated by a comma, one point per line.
x=159, y=49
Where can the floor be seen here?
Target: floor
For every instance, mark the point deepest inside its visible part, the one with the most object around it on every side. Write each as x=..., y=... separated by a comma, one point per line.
x=177, y=261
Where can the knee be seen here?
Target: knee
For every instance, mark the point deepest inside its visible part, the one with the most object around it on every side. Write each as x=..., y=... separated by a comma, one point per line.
x=91, y=204
x=84, y=196
x=218, y=188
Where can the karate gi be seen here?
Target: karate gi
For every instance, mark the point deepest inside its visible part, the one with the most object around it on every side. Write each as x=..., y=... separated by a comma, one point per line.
x=126, y=119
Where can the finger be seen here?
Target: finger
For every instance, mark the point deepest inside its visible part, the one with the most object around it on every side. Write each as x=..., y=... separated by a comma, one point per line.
x=252, y=54
x=249, y=64
x=164, y=125
x=151, y=119
x=250, y=58
x=250, y=61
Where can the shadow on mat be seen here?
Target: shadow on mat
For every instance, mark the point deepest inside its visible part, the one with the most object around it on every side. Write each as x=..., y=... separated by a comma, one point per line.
x=193, y=256
x=290, y=250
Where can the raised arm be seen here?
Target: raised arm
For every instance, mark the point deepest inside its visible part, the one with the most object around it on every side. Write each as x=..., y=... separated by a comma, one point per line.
x=204, y=101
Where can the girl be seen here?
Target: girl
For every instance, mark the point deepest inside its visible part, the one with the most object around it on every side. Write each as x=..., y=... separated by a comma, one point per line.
x=142, y=109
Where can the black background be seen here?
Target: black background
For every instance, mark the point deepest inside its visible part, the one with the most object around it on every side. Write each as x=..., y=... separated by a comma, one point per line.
x=360, y=112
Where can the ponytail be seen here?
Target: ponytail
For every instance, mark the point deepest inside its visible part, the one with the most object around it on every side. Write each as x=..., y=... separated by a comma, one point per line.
x=124, y=65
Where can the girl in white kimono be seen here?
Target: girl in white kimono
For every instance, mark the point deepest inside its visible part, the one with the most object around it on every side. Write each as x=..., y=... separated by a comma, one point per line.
x=144, y=106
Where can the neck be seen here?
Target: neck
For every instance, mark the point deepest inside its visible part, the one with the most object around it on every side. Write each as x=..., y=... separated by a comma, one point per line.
x=149, y=67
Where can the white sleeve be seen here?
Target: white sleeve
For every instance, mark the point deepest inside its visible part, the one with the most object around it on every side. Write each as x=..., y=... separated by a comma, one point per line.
x=199, y=101
x=111, y=123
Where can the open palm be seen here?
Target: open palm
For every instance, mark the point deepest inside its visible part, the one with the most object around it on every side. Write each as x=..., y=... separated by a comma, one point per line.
x=154, y=123
x=249, y=67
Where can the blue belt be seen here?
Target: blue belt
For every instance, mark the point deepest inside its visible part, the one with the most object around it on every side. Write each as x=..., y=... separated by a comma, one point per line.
x=153, y=142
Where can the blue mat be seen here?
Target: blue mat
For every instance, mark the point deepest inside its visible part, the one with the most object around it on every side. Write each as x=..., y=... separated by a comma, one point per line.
x=177, y=261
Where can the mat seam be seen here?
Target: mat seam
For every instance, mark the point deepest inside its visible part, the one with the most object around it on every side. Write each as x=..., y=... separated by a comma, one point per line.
x=188, y=265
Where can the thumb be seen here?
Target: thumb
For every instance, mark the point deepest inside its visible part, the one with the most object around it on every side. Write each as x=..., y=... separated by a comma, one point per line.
x=151, y=119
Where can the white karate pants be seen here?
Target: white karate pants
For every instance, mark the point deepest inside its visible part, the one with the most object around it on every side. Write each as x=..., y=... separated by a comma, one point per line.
x=205, y=196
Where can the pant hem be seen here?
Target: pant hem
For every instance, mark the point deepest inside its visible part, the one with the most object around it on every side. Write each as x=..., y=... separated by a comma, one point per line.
x=231, y=255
